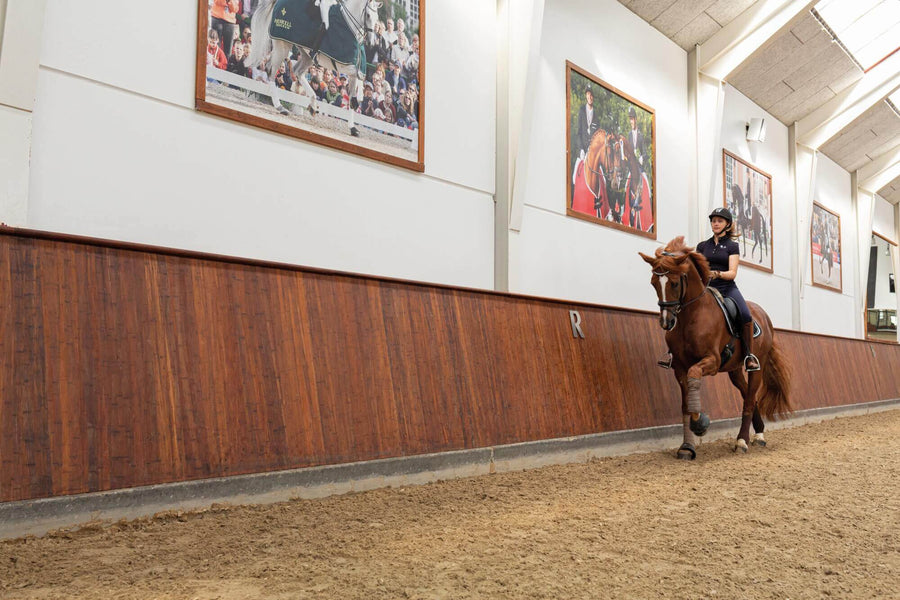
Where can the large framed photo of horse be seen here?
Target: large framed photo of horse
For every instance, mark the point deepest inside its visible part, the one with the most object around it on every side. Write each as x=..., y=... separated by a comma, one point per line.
x=610, y=155
x=748, y=195
x=348, y=74
x=825, y=248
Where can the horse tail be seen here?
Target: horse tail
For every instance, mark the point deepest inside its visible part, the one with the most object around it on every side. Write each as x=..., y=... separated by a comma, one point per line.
x=259, y=27
x=777, y=381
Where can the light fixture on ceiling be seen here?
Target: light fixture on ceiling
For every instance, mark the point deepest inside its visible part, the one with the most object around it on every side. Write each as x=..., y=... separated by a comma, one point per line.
x=756, y=130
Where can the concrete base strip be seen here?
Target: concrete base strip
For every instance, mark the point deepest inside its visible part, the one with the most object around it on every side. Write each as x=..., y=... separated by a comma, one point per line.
x=37, y=517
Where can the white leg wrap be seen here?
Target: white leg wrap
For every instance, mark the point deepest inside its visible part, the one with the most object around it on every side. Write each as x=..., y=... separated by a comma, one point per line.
x=693, y=395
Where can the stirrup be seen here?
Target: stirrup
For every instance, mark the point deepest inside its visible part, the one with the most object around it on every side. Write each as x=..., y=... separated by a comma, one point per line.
x=748, y=357
x=666, y=361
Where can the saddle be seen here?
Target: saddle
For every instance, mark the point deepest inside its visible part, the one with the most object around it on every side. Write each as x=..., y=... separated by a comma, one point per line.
x=298, y=22
x=732, y=321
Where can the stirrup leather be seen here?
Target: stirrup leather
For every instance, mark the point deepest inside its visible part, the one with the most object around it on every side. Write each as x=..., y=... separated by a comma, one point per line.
x=748, y=357
x=665, y=361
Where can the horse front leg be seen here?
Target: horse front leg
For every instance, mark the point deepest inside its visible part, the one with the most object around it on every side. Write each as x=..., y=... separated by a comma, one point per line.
x=709, y=365
x=688, y=449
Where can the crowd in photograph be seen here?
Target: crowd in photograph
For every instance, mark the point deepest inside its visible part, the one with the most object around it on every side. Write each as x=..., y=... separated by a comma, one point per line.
x=390, y=90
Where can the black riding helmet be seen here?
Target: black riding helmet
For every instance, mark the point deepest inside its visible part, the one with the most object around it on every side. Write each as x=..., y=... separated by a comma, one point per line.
x=723, y=213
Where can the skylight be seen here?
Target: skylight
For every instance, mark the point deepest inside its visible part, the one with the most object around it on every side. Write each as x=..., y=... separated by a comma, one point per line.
x=869, y=30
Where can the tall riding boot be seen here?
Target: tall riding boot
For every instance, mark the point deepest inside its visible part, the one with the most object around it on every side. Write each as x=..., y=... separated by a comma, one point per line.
x=751, y=363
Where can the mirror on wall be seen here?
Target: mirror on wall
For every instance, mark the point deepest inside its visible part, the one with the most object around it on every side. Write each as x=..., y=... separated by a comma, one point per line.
x=881, y=295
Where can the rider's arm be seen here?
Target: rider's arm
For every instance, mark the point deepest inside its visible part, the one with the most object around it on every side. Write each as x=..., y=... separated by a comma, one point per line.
x=731, y=273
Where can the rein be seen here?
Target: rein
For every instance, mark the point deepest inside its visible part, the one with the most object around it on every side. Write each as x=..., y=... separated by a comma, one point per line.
x=676, y=306
x=359, y=29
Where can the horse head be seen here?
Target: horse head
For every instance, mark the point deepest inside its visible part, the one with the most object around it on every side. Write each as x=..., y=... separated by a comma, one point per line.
x=369, y=19
x=673, y=268
x=596, y=172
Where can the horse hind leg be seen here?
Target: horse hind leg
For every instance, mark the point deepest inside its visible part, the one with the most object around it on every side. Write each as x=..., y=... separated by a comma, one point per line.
x=748, y=416
x=759, y=426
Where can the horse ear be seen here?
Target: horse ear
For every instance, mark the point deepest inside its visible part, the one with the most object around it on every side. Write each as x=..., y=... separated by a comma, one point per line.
x=648, y=259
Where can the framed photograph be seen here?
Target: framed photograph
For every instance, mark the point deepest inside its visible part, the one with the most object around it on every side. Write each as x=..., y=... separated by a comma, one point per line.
x=610, y=155
x=348, y=74
x=825, y=248
x=748, y=195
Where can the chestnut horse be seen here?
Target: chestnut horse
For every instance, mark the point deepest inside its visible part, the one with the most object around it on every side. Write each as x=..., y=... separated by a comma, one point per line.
x=697, y=335
x=596, y=179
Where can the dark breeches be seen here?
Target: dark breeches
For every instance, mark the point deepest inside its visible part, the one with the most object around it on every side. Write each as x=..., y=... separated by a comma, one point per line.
x=734, y=293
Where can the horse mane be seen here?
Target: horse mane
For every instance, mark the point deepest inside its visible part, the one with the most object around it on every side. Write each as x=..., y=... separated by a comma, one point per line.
x=667, y=259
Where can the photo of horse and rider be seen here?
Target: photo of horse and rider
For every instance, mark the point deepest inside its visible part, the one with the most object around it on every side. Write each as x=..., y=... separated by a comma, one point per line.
x=825, y=242
x=748, y=195
x=343, y=73
x=611, y=155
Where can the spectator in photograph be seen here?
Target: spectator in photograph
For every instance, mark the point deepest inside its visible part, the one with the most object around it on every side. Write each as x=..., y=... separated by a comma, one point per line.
x=389, y=35
x=395, y=79
x=588, y=123
x=261, y=71
x=223, y=19
x=406, y=114
x=636, y=137
x=215, y=57
x=413, y=92
x=283, y=78
x=400, y=51
x=332, y=95
x=236, y=61
x=367, y=106
x=387, y=106
x=411, y=65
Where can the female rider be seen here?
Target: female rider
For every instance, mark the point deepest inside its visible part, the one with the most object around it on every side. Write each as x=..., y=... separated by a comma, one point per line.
x=723, y=255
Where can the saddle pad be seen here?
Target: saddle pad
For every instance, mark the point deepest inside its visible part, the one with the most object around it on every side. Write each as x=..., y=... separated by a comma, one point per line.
x=298, y=22
x=732, y=315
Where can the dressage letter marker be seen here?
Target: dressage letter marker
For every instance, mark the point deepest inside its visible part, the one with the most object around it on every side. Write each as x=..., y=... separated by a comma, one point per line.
x=575, y=318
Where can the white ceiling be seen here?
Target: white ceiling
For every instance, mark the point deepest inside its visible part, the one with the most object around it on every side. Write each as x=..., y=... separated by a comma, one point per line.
x=796, y=71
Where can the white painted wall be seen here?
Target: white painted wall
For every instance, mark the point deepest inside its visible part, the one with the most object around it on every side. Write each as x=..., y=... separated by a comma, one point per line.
x=772, y=291
x=826, y=311
x=883, y=219
x=558, y=256
x=119, y=153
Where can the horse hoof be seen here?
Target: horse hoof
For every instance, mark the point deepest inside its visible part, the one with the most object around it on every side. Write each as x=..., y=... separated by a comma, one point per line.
x=741, y=445
x=758, y=440
x=700, y=426
x=354, y=132
x=686, y=452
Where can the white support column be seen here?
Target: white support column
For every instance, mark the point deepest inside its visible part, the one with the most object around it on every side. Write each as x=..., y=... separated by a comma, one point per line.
x=21, y=25
x=526, y=24
x=895, y=256
x=502, y=169
x=693, y=200
x=864, y=202
x=708, y=108
x=804, y=163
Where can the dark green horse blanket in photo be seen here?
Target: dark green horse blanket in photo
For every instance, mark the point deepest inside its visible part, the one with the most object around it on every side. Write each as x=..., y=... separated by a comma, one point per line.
x=298, y=22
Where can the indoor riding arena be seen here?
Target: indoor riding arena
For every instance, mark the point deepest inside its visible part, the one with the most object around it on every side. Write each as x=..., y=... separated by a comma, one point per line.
x=285, y=318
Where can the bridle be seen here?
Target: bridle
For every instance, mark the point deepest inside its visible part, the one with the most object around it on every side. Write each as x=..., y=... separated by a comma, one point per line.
x=359, y=29
x=676, y=306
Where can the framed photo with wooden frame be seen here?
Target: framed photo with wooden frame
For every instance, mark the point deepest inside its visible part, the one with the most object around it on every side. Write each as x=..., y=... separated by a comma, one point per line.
x=610, y=155
x=825, y=248
x=335, y=73
x=748, y=195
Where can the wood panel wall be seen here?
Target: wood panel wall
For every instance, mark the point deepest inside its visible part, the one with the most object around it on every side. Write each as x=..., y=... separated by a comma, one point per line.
x=122, y=366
